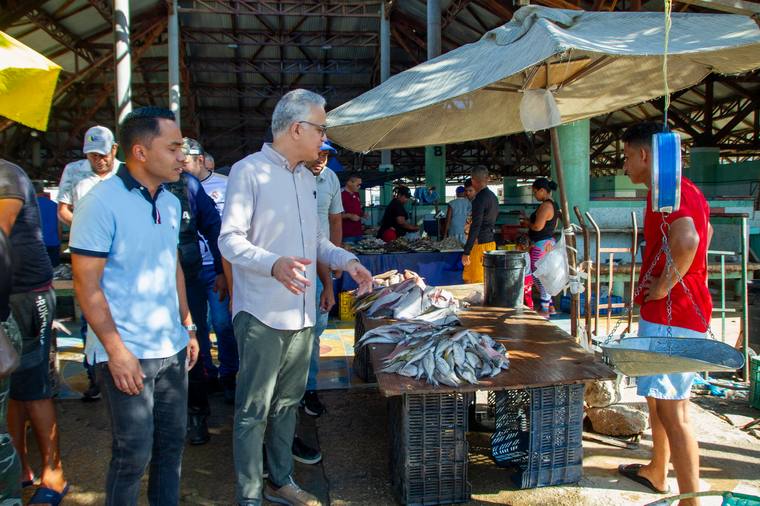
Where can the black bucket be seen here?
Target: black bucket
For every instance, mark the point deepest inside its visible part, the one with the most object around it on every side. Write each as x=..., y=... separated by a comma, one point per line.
x=504, y=278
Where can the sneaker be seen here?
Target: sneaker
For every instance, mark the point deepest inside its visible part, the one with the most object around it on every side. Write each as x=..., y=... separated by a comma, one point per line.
x=304, y=453
x=291, y=494
x=228, y=388
x=197, y=429
x=92, y=393
x=312, y=405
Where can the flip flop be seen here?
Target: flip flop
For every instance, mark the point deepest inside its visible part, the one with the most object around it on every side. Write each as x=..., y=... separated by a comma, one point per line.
x=631, y=471
x=44, y=495
x=28, y=483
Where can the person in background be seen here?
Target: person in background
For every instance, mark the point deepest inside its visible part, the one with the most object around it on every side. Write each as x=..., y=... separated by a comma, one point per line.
x=670, y=307
x=352, y=210
x=100, y=149
x=426, y=195
x=272, y=238
x=79, y=178
x=208, y=161
x=523, y=244
x=456, y=216
x=485, y=210
x=32, y=303
x=329, y=211
x=49, y=217
x=394, y=223
x=469, y=194
x=10, y=465
x=217, y=285
x=200, y=220
x=541, y=226
x=129, y=282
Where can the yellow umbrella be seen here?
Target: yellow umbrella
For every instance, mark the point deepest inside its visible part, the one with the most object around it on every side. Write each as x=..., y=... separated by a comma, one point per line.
x=27, y=83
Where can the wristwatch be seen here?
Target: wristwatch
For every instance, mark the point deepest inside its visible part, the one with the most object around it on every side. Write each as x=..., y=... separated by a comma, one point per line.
x=191, y=328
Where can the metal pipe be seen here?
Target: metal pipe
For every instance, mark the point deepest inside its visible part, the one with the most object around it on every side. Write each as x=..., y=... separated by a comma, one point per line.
x=745, y=299
x=597, y=276
x=123, y=59
x=589, y=270
x=634, y=249
x=385, y=68
x=174, y=89
x=433, y=28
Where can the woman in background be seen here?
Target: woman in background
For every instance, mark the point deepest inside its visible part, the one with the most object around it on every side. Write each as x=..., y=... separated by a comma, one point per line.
x=541, y=226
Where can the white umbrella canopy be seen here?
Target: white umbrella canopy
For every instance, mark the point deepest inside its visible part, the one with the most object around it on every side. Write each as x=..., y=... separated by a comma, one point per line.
x=592, y=62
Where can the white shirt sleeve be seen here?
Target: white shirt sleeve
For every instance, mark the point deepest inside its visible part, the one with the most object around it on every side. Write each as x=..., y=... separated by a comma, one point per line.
x=239, y=205
x=328, y=253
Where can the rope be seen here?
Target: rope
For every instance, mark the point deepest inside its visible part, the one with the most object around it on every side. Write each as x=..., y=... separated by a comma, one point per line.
x=668, y=10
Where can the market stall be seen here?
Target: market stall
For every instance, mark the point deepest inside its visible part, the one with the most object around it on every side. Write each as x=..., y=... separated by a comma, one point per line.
x=538, y=425
x=438, y=268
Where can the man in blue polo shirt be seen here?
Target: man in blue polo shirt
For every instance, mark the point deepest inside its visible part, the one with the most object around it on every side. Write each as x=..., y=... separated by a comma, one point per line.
x=131, y=288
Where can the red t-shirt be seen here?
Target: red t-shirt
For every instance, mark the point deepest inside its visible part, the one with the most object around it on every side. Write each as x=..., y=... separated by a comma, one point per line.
x=351, y=204
x=693, y=205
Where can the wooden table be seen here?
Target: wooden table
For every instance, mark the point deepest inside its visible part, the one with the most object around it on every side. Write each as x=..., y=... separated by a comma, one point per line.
x=429, y=424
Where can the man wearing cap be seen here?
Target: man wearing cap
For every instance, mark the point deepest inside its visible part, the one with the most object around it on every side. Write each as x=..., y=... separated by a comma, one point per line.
x=100, y=149
x=77, y=179
x=216, y=285
x=199, y=219
x=329, y=210
x=394, y=223
x=456, y=216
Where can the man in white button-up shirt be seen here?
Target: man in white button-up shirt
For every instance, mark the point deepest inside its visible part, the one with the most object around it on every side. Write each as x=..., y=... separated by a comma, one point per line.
x=271, y=236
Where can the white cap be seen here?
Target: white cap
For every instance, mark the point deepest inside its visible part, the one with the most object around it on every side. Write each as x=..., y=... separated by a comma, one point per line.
x=98, y=139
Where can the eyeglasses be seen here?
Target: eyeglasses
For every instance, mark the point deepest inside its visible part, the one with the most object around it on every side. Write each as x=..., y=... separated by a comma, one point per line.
x=322, y=129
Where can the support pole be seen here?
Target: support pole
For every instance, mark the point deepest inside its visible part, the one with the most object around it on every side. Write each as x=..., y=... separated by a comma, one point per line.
x=570, y=239
x=745, y=298
x=386, y=165
x=123, y=57
x=174, y=89
x=435, y=156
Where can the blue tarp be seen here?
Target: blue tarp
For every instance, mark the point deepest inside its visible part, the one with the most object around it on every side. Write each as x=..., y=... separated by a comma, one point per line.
x=438, y=269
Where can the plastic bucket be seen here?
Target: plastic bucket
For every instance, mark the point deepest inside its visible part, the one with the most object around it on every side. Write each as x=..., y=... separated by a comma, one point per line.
x=504, y=278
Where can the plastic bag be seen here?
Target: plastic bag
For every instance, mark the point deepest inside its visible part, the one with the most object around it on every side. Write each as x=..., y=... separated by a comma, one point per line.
x=538, y=110
x=552, y=270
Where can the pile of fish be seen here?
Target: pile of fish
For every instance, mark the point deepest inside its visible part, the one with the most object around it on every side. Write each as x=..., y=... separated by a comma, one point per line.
x=410, y=299
x=448, y=244
x=440, y=354
x=374, y=246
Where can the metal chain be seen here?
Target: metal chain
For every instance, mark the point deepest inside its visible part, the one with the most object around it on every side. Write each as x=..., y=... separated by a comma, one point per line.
x=669, y=263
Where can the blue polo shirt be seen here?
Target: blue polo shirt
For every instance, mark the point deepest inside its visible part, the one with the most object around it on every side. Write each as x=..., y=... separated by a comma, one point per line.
x=137, y=235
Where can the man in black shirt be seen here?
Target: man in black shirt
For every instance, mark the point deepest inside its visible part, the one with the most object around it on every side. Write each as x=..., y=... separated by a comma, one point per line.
x=394, y=224
x=485, y=210
x=32, y=304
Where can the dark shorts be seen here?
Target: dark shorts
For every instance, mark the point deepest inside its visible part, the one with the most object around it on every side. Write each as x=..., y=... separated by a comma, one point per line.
x=33, y=312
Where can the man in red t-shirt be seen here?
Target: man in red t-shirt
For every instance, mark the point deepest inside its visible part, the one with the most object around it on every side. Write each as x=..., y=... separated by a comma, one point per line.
x=352, y=209
x=688, y=234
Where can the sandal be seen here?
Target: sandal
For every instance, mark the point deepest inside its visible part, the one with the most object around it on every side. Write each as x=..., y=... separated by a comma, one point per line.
x=631, y=471
x=45, y=495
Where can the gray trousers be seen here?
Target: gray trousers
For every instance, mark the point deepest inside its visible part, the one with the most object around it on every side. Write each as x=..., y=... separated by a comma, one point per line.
x=271, y=381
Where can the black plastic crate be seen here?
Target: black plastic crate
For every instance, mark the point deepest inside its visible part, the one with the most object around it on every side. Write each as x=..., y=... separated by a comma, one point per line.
x=429, y=448
x=539, y=431
x=362, y=362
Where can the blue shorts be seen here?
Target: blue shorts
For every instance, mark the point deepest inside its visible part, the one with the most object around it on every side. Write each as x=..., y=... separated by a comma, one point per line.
x=675, y=386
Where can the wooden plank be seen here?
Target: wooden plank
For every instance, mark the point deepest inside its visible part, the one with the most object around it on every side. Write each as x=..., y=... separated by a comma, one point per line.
x=730, y=6
x=540, y=354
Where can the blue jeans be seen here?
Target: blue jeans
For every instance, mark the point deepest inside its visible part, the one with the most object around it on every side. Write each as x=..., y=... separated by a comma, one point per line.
x=147, y=429
x=319, y=326
x=203, y=300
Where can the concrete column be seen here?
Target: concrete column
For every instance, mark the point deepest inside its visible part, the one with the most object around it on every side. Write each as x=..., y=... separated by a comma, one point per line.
x=435, y=156
x=574, y=147
x=385, y=71
x=123, y=55
x=702, y=167
x=386, y=194
x=173, y=42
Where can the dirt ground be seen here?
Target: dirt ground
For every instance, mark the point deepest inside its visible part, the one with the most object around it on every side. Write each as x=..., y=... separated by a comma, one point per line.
x=353, y=436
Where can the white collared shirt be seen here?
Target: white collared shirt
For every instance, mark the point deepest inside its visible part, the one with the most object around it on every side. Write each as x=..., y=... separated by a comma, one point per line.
x=271, y=211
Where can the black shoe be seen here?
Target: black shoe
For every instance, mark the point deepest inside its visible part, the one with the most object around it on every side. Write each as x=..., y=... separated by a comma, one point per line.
x=312, y=405
x=197, y=429
x=303, y=453
x=228, y=388
x=92, y=393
